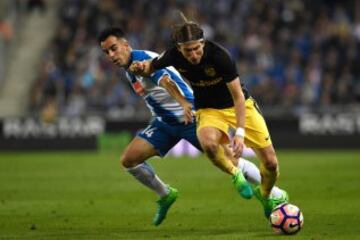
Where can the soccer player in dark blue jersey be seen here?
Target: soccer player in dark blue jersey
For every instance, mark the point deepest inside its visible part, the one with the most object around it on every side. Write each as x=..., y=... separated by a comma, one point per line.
x=225, y=111
x=170, y=100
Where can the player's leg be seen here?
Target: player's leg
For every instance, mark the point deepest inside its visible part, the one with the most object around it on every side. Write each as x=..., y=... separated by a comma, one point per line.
x=250, y=171
x=210, y=131
x=154, y=140
x=258, y=138
x=252, y=174
x=188, y=132
x=266, y=196
x=268, y=168
x=210, y=138
x=133, y=160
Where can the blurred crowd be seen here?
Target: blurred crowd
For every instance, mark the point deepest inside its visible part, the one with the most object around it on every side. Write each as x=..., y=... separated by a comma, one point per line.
x=290, y=53
x=7, y=23
x=12, y=15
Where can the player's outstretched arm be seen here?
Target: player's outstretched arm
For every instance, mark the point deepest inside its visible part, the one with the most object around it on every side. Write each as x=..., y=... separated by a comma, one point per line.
x=173, y=90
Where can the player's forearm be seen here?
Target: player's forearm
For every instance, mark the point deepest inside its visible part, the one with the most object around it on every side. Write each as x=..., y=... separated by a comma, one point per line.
x=173, y=90
x=239, y=102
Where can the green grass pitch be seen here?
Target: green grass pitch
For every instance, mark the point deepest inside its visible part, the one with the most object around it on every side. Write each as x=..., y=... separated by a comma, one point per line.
x=86, y=195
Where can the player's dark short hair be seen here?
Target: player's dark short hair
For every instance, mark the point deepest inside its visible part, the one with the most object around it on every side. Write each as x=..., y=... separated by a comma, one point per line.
x=186, y=32
x=111, y=31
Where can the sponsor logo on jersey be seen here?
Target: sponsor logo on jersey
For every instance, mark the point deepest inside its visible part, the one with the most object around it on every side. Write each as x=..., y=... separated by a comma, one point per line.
x=210, y=71
x=206, y=83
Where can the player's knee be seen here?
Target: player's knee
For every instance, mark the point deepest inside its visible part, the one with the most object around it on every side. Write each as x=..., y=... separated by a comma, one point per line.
x=127, y=162
x=210, y=148
x=271, y=164
x=270, y=160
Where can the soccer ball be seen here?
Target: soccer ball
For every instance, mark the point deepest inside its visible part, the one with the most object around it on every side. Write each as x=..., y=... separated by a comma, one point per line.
x=287, y=219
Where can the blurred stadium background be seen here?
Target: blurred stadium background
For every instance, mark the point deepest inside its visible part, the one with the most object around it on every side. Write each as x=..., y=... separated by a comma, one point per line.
x=299, y=59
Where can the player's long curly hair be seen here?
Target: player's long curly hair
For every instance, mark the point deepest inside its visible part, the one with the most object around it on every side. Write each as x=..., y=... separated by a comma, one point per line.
x=187, y=31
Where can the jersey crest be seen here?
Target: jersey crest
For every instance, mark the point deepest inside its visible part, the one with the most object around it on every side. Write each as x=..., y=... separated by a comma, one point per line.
x=210, y=71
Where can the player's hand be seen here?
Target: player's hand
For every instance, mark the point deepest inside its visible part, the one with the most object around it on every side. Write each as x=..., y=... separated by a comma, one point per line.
x=237, y=146
x=189, y=115
x=137, y=68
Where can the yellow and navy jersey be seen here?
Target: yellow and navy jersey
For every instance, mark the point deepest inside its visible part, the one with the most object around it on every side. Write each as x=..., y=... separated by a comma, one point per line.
x=208, y=78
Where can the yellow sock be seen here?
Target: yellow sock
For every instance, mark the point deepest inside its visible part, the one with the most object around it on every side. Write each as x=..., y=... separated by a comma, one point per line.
x=268, y=179
x=222, y=162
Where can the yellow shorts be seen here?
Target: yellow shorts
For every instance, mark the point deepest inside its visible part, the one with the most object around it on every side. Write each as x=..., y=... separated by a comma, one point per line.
x=256, y=132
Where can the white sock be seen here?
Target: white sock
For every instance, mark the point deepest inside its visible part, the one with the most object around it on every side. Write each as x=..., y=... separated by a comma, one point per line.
x=146, y=175
x=250, y=171
x=252, y=174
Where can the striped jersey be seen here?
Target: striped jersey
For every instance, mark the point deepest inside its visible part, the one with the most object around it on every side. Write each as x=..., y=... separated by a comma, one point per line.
x=162, y=106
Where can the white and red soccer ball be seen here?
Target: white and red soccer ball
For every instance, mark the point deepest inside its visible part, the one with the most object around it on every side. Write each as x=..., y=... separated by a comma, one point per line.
x=286, y=219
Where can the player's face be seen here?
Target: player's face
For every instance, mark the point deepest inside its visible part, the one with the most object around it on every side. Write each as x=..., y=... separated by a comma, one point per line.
x=192, y=51
x=117, y=50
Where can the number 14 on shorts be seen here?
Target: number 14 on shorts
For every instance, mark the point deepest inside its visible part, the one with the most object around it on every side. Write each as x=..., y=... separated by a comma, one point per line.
x=149, y=131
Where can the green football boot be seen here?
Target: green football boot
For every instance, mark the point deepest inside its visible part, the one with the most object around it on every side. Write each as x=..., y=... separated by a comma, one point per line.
x=272, y=202
x=243, y=187
x=164, y=205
